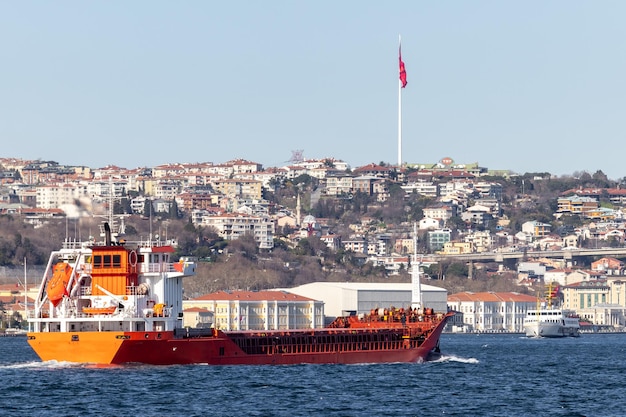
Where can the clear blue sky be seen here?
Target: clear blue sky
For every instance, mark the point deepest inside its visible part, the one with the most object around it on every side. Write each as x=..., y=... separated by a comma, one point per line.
x=527, y=85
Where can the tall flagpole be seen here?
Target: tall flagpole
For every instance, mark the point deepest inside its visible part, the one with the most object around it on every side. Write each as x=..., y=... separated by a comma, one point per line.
x=400, y=104
x=401, y=85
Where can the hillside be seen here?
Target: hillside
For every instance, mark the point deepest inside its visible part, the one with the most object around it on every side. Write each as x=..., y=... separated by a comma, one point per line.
x=239, y=264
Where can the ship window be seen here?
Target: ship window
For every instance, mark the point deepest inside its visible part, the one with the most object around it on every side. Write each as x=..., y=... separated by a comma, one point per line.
x=97, y=261
x=106, y=261
x=117, y=261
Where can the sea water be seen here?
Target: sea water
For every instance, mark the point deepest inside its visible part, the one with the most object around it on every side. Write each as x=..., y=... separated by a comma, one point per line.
x=477, y=375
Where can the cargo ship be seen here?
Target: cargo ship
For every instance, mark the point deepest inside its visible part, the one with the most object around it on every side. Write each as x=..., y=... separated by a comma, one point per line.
x=115, y=302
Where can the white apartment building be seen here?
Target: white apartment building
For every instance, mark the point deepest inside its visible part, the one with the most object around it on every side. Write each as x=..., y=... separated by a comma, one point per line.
x=425, y=188
x=138, y=204
x=337, y=185
x=107, y=189
x=232, y=226
x=55, y=196
x=481, y=241
x=440, y=211
x=167, y=190
x=355, y=245
x=452, y=186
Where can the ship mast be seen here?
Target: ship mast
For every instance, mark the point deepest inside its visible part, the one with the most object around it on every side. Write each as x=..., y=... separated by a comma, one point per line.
x=416, y=287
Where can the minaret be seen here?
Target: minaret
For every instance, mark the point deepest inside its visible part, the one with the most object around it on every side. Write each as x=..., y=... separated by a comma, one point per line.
x=416, y=286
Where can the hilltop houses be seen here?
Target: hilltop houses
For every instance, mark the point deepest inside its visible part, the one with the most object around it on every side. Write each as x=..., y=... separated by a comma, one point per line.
x=464, y=212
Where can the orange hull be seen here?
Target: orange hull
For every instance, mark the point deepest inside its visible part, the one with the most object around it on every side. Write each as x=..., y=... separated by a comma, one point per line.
x=92, y=347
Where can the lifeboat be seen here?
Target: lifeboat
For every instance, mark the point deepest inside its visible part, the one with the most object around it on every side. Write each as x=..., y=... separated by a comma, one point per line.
x=57, y=286
x=99, y=310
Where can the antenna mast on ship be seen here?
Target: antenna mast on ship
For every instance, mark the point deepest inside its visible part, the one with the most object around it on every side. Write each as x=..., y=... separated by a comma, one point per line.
x=416, y=286
x=115, y=229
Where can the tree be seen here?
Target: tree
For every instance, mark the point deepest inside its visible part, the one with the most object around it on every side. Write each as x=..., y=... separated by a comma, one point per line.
x=174, y=212
x=147, y=208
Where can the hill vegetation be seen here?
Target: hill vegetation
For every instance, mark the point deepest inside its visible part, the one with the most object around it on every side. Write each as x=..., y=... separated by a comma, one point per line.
x=229, y=265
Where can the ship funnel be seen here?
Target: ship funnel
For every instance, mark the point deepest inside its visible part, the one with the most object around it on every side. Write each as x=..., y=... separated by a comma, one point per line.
x=107, y=234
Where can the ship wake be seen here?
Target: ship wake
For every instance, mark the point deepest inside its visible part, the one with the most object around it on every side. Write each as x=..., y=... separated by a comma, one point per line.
x=42, y=365
x=453, y=358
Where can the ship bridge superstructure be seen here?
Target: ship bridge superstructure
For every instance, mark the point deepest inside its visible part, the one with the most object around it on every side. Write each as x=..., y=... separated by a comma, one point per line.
x=111, y=286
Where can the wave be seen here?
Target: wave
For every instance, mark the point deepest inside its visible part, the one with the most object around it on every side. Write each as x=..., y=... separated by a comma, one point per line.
x=40, y=365
x=452, y=358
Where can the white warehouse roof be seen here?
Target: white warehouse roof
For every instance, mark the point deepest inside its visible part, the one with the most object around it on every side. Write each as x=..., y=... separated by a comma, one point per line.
x=362, y=297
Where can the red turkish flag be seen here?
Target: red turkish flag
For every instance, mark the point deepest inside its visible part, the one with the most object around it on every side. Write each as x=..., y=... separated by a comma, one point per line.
x=402, y=69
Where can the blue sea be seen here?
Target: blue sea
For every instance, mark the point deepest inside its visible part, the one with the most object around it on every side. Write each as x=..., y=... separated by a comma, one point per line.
x=477, y=375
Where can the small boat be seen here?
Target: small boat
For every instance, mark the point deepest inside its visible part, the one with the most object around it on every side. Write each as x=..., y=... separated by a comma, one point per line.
x=99, y=310
x=56, y=288
x=12, y=331
x=547, y=321
x=121, y=302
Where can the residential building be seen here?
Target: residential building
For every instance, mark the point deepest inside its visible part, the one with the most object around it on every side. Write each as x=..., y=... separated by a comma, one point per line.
x=364, y=184
x=456, y=248
x=374, y=170
x=405, y=245
x=232, y=226
x=355, y=245
x=427, y=223
x=392, y=264
x=337, y=185
x=536, y=229
x=55, y=196
x=438, y=238
x=576, y=204
x=609, y=266
x=440, y=211
x=477, y=215
x=333, y=242
x=425, y=188
x=248, y=189
x=481, y=241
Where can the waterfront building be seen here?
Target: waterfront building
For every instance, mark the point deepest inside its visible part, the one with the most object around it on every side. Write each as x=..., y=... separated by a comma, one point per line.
x=599, y=301
x=341, y=298
x=490, y=311
x=260, y=310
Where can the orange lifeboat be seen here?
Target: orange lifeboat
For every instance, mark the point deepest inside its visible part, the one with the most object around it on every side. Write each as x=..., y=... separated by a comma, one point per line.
x=57, y=286
x=99, y=310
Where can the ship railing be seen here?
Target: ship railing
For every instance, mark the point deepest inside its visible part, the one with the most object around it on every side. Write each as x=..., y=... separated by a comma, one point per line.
x=157, y=267
x=187, y=267
x=147, y=243
x=75, y=244
x=143, y=243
